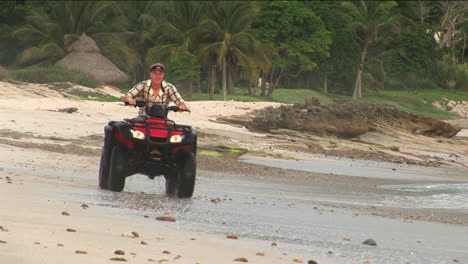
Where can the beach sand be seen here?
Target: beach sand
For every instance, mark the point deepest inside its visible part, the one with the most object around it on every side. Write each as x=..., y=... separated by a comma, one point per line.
x=38, y=143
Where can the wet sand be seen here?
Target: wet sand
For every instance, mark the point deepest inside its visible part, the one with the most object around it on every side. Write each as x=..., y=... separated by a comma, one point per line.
x=49, y=163
x=313, y=214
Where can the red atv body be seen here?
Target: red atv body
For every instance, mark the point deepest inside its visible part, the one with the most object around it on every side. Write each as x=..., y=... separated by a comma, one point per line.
x=154, y=147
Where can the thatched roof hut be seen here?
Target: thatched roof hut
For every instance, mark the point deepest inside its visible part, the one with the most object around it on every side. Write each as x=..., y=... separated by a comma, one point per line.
x=85, y=57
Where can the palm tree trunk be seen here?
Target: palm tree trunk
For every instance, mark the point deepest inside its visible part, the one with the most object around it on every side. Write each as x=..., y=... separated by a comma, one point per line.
x=224, y=79
x=212, y=81
x=190, y=89
x=464, y=47
x=325, y=83
x=230, y=81
x=250, y=88
x=273, y=86
x=255, y=84
x=357, y=92
x=198, y=84
x=263, y=84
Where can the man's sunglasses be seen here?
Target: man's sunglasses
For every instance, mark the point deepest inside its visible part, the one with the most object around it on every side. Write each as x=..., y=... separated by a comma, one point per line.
x=157, y=68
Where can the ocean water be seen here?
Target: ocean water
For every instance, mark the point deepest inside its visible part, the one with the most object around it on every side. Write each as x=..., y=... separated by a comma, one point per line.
x=452, y=196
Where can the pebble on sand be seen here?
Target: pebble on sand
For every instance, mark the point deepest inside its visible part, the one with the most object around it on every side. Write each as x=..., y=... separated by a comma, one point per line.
x=130, y=235
x=71, y=230
x=297, y=260
x=369, y=242
x=65, y=213
x=119, y=252
x=242, y=259
x=118, y=259
x=166, y=218
x=79, y=251
x=232, y=236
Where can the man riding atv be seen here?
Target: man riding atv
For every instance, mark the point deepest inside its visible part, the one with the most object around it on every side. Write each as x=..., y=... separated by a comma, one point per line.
x=150, y=144
x=154, y=91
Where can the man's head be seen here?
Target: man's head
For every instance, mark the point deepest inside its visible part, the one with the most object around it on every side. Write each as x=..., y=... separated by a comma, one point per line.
x=156, y=67
x=156, y=72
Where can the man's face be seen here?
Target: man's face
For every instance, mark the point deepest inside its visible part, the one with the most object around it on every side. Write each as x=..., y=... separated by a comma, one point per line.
x=157, y=76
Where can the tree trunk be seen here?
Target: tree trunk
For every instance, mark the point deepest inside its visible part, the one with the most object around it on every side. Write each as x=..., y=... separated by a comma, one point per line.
x=212, y=81
x=224, y=79
x=198, y=84
x=230, y=81
x=273, y=86
x=190, y=89
x=263, y=84
x=325, y=83
x=464, y=47
x=357, y=92
x=255, y=84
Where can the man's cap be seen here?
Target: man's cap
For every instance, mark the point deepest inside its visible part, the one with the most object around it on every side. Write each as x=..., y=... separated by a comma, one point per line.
x=157, y=66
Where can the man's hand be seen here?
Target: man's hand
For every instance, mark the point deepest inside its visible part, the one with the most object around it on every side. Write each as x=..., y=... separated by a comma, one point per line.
x=182, y=107
x=128, y=99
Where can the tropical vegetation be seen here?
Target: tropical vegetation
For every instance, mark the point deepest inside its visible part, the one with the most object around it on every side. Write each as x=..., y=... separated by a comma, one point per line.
x=353, y=48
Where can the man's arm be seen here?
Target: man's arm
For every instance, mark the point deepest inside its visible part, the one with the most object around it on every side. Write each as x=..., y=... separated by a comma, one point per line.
x=127, y=99
x=182, y=106
x=176, y=98
x=130, y=96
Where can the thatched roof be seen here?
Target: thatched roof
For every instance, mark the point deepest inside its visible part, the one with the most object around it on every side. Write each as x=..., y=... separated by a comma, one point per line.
x=85, y=57
x=84, y=44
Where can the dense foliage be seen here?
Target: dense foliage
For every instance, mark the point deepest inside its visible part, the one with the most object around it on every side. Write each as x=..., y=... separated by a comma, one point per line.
x=346, y=47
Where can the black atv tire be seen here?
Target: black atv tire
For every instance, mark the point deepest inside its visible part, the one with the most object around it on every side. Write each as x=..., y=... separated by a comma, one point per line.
x=187, y=174
x=182, y=182
x=117, y=166
x=104, y=171
x=172, y=183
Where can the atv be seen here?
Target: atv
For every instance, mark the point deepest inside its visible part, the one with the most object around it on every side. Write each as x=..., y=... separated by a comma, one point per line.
x=154, y=146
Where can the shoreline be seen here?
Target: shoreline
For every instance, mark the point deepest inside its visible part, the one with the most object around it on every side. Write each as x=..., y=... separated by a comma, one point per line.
x=44, y=151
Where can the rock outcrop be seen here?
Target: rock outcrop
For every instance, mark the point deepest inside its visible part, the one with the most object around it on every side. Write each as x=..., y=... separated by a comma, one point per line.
x=342, y=118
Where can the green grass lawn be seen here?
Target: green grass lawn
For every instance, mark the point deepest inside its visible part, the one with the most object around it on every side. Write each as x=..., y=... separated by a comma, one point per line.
x=287, y=96
x=418, y=102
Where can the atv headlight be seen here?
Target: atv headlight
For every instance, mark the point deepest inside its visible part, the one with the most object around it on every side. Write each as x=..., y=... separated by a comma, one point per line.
x=176, y=138
x=137, y=134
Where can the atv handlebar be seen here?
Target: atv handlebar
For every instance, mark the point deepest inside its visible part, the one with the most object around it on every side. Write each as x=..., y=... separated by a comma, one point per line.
x=169, y=108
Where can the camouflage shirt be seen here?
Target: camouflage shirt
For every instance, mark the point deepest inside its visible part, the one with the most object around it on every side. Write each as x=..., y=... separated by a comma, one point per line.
x=143, y=91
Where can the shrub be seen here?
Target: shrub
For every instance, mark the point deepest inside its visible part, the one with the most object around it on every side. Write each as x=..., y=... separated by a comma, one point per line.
x=3, y=73
x=422, y=84
x=37, y=74
x=453, y=77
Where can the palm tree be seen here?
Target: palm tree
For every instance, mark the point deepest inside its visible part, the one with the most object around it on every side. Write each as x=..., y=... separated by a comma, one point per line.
x=229, y=37
x=179, y=28
x=49, y=34
x=177, y=35
x=368, y=18
x=140, y=34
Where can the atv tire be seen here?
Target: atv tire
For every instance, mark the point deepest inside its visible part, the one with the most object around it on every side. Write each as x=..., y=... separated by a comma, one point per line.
x=104, y=171
x=117, y=166
x=187, y=174
x=182, y=182
x=172, y=183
